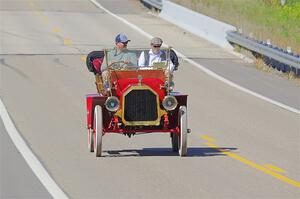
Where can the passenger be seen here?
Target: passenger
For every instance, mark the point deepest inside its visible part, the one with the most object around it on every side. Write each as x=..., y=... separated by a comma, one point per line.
x=155, y=54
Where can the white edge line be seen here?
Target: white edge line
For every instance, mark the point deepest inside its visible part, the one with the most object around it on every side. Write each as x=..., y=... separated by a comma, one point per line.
x=230, y=83
x=29, y=157
x=207, y=71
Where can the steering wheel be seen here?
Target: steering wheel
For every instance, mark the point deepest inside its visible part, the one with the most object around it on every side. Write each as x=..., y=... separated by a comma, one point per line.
x=117, y=66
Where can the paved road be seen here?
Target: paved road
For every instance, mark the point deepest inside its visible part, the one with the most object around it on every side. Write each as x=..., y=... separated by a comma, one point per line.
x=44, y=81
x=16, y=178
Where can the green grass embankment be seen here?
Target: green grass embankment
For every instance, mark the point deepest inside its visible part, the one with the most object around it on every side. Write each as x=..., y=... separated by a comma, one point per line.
x=264, y=19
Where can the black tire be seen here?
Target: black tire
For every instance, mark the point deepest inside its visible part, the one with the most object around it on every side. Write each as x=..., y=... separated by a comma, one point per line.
x=175, y=141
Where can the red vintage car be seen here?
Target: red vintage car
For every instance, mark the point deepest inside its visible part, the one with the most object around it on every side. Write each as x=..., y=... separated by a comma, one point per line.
x=135, y=100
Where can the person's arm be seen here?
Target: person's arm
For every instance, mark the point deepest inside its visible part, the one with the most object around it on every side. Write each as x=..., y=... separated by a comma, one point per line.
x=104, y=66
x=141, y=62
x=107, y=57
x=171, y=66
x=132, y=59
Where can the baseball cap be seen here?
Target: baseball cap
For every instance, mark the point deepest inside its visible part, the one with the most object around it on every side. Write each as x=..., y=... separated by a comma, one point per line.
x=121, y=38
x=156, y=41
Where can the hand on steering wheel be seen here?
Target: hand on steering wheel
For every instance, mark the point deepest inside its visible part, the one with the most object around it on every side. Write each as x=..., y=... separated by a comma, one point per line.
x=117, y=62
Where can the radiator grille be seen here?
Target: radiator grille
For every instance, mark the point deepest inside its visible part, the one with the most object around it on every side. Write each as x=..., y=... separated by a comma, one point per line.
x=140, y=105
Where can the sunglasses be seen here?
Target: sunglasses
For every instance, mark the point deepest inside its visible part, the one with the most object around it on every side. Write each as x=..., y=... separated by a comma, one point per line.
x=156, y=46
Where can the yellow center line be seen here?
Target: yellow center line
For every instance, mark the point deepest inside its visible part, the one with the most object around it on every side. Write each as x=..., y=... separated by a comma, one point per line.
x=39, y=12
x=274, y=168
x=55, y=30
x=256, y=166
x=207, y=138
x=45, y=19
x=83, y=58
x=67, y=42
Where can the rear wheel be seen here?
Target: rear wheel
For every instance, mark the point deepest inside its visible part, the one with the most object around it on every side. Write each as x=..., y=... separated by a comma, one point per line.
x=183, y=131
x=174, y=139
x=90, y=140
x=98, y=126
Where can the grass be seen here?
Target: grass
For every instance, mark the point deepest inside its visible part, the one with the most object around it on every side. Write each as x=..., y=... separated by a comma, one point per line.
x=264, y=19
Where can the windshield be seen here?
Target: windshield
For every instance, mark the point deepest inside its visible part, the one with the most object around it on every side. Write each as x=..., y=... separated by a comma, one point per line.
x=136, y=59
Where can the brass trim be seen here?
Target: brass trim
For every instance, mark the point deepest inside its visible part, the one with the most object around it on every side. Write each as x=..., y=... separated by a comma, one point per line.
x=160, y=112
x=99, y=83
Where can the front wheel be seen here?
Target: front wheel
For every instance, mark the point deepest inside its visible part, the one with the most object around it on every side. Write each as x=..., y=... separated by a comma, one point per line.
x=90, y=140
x=183, y=130
x=98, y=126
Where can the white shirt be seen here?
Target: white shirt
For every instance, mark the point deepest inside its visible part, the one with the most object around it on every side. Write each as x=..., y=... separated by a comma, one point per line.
x=153, y=58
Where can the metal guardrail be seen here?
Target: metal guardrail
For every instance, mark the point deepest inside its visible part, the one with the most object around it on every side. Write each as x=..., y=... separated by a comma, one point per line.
x=270, y=52
x=158, y=4
x=272, y=55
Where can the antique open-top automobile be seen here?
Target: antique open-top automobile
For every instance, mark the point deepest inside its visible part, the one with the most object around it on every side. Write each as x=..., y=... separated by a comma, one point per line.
x=135, y=100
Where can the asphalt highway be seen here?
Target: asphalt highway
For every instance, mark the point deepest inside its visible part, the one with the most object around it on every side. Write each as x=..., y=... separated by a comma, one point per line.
x=240, y=145
x=17, y=179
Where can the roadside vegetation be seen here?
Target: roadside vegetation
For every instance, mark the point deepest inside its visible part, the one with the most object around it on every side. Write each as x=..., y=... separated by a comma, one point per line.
x=261, y=19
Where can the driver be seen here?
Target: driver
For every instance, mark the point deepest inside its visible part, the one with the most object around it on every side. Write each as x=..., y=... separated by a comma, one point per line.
x=120, y=56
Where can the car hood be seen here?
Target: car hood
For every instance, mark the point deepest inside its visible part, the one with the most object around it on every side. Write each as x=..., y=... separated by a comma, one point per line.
x=156, y=84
